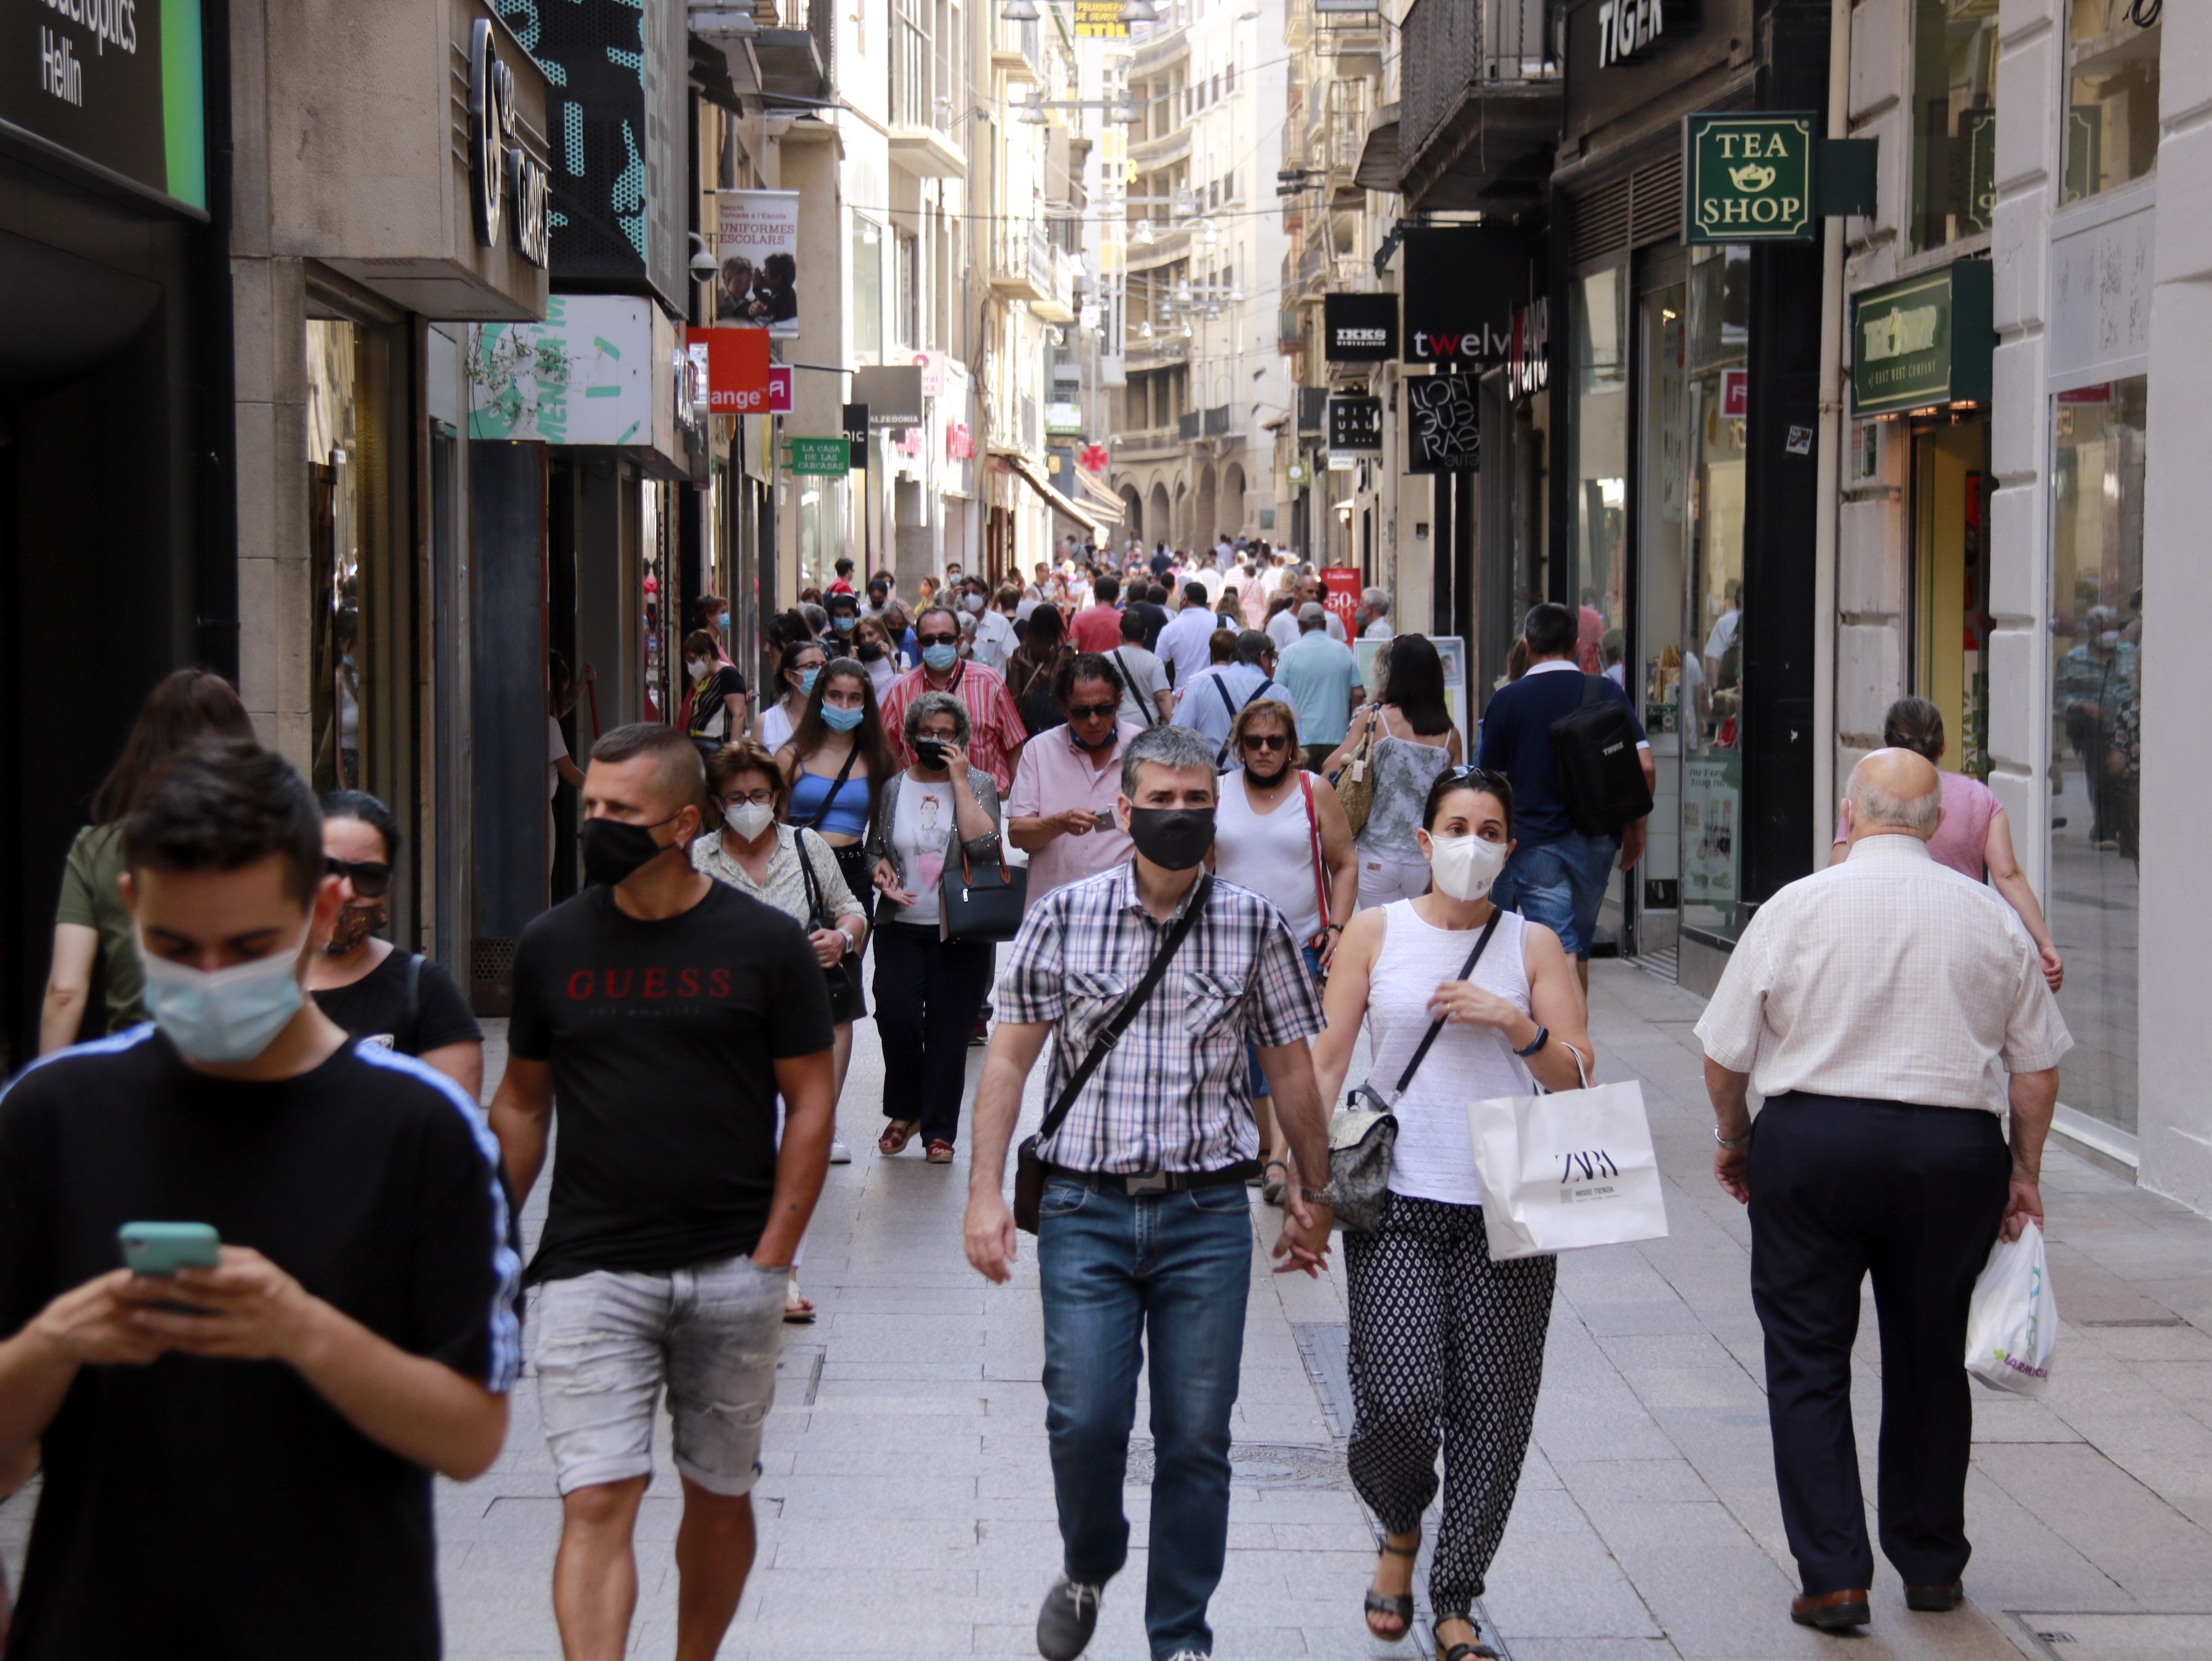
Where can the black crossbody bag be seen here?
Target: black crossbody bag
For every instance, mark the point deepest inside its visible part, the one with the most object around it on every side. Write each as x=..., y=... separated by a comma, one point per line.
x=1028, y=1169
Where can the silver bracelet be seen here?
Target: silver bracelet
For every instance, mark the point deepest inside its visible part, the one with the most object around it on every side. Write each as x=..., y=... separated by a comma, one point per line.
x=1727, y=1146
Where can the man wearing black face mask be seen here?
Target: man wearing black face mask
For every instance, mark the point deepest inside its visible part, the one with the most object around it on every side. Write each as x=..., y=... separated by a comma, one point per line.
x=1144, y=1229
x=669, y=1011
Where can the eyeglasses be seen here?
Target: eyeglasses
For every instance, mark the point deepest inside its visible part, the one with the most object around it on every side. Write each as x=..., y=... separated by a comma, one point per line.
x=1267, y=740
x=1091, y=711
x=751, y=798
x=371, y=878
x=941, y=736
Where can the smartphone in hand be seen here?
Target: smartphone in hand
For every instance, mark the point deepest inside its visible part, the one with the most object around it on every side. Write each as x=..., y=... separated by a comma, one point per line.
x=165, y=1248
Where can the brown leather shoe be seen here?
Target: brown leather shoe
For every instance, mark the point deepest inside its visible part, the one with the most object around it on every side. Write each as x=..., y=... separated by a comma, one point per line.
x=1831, y=1612
x=1935, y=1600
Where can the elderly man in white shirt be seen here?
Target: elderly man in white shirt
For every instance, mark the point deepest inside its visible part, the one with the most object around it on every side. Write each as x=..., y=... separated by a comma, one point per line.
x=1886, y=1010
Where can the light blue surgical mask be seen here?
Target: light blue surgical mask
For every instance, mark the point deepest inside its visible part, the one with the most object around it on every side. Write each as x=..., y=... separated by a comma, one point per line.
x=940, y=657
x=841, y=720
x=722, y=621
x=807, y=679
x=844, y=624
x=223, y=1015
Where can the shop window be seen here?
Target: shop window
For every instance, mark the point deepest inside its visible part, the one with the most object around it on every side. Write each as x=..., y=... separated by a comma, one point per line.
x=1954, y=80
x=346, y=458
x=2096, y=736
x=867, y=291
x=2111, y=94
x=1598, y=511
x=907, y=291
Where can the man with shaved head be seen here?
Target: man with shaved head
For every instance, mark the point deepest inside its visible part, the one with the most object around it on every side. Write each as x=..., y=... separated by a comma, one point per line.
x=1886, y=1010
x=666, y=1012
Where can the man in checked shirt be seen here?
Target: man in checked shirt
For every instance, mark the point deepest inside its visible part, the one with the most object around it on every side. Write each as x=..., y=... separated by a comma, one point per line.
x=1145, y=1231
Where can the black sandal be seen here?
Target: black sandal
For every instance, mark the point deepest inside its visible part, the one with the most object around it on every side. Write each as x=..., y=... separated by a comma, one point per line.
x=1271, y=1188
x=1477, y=1650
x=1398, y=1606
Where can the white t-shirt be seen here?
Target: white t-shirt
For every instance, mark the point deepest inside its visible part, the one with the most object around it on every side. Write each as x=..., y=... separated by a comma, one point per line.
x=1143, y=675
x=1723, y=634
x=921, y=830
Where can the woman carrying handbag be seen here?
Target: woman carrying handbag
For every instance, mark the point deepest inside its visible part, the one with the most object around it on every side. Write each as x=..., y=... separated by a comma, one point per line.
x=929, y=989
x=1446, y=1343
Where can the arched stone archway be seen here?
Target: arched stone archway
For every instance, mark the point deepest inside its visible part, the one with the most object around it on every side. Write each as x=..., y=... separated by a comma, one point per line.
x=1132, y=512
x=1158, y=527
x=1232, y=498
x=1206, y=526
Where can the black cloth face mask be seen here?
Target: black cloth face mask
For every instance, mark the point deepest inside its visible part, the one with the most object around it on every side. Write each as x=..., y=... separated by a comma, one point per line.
x=1173, y=838
x=614, y=851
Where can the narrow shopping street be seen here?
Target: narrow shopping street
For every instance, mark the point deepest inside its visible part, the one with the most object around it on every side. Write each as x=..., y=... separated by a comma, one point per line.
x=907, y=1508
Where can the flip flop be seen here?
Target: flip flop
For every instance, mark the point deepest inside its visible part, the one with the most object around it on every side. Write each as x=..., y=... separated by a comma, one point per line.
x=1271, y=1190
x=896, y=1134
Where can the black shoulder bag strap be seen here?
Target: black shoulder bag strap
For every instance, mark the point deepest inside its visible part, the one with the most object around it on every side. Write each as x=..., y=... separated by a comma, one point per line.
x=1225, y=703
x=1028, y=1169
x=414, y=1003
x=1144, y=703
x=1437, y=1026
x=1593, y=692
x=843, y=773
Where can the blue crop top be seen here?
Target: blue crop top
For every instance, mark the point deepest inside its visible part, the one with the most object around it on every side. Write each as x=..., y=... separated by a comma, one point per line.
x=848, y=812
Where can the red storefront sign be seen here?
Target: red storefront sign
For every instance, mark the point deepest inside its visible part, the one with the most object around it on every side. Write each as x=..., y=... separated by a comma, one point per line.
x=737, y=369
x=1341, y=593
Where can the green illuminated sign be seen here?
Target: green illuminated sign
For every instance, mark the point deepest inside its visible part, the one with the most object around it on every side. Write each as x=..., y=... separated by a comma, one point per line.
x=827, y=457
x=1926, y=341
x=1749, y=177
x=116, y=88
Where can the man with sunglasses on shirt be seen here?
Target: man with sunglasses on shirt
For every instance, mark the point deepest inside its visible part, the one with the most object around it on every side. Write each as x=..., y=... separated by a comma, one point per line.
x=995, y=727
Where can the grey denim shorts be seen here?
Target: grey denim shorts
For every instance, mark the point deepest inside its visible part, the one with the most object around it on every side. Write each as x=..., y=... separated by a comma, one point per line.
x=608, y=1342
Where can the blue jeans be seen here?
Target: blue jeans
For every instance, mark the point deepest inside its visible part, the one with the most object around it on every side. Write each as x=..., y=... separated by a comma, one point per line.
x=1560, y=885
x=1117, y=1268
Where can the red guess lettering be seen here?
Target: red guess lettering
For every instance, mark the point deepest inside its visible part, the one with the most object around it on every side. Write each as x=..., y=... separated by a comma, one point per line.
x=656, y=983
x=687, y=983
x=580, y=986
x=718, y=983
x=622, y=975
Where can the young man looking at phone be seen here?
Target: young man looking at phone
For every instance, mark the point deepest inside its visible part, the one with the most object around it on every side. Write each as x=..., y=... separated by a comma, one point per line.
x=253, y=1479
x=667, y=1012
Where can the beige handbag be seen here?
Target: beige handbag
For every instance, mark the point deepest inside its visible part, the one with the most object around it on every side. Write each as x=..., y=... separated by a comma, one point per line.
x=1354, y=782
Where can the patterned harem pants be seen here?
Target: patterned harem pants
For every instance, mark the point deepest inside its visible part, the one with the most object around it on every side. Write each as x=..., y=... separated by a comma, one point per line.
x=1443, y=1340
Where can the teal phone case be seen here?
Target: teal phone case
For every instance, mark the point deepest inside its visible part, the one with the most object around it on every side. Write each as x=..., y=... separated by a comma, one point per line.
x=165, y=1248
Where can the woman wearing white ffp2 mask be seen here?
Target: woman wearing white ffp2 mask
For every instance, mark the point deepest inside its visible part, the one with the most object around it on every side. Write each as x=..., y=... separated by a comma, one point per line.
x=1441, y=1335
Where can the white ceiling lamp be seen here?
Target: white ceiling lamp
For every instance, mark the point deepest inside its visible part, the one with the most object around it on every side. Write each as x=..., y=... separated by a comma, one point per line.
x=1020, y=11
x=1140, y=235
x=1032, y=112
x=1139, y=11
x=725, y=20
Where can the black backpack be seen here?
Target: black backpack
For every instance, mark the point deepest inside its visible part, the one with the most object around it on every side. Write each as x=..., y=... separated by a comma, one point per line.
x=1601, y=773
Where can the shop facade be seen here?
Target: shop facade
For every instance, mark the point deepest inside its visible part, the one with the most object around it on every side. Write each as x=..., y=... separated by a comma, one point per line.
x=1682, y=505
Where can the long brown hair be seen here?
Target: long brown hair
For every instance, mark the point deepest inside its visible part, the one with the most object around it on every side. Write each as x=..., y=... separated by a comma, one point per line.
x=868, y=738
x=185, y=708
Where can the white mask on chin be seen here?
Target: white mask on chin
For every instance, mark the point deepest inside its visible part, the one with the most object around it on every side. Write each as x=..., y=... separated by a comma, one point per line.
x=1463, y=867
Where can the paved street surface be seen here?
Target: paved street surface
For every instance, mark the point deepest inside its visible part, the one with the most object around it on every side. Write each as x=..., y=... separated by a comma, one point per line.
x=907, y=1506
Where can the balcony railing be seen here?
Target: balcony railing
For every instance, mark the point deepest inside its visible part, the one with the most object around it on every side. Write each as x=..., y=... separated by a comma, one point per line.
x=1021, y=259
x=1217, y=421
x=1148, y=441
x=1457, y=51
x=1186, y=425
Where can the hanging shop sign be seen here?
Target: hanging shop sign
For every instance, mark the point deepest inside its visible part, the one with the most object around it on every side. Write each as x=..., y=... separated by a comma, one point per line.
x=1443, y=424
x=1340, y=593
x=1355, y=425
x=756, y=251
x=1529, y=360
x=1299, y=475
x=1735, y=394
x=892, y=393
x=1093, y=458
x=856, y=435
x=959, y=442
x=1063, y=420
x=1359, y=328
x=1928, y=340
x=1750, y=177
x=779, y=389
x=737, y=370
x=1099, y=19
x=1628, y=30
x=115, y=88
x=600, y=369
x=823, y=458
x=1462, y=283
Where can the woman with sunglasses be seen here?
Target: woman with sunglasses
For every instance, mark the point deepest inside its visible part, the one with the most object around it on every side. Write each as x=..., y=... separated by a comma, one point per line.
x=801, y=662
x=377, y=992
x=1280, y=831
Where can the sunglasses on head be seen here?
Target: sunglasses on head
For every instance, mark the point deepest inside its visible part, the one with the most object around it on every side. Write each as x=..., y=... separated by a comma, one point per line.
x=371, y=878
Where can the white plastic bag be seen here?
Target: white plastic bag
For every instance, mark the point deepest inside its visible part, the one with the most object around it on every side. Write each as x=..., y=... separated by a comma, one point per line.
x=2012, y=1325
x=1573, y=1168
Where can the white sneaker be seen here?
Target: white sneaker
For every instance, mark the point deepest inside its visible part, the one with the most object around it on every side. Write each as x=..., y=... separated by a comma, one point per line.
x=839, y=1153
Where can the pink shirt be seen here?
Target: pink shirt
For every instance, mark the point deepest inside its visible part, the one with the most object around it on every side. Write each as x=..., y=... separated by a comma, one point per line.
x=1962, y=841
x=1056, y=774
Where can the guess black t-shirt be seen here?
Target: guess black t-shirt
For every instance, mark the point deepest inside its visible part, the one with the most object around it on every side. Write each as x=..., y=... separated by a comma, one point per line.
x=374, y=1008
x=663, y=1038
x=200, y=1507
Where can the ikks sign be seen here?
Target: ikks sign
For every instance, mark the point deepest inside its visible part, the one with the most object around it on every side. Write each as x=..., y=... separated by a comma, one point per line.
x=1750, y=177
x=1926, y=341
x=1359, y=328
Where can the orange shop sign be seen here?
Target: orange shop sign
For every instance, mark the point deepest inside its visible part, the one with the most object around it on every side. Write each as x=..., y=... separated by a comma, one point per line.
x=737, y=369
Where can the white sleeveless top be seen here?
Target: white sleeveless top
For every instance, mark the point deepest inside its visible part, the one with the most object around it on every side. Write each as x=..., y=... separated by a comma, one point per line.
x=1434, y=1159
x=1271, y=854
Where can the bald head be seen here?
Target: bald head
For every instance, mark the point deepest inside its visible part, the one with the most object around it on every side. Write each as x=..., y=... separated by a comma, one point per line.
x=1894, y=793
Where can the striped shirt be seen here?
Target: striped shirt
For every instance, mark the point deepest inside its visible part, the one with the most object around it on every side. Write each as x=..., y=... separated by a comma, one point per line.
x=995, y=727
x=1175, y=1093
x=1890, y=978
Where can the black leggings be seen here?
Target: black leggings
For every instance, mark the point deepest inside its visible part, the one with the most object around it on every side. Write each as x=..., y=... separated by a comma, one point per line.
x=928, y=991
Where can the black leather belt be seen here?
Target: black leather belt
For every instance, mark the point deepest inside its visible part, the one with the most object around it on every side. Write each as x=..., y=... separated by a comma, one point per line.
x=1157, y=1182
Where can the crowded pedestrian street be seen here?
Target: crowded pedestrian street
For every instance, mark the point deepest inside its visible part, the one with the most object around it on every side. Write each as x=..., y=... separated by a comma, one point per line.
x=906, y=1507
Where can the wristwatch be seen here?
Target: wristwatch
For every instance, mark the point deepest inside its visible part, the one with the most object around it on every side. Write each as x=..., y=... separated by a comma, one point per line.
x=1727, y=1146
x=1543, y=1036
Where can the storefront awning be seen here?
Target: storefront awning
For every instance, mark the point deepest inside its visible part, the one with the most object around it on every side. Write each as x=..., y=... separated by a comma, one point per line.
x=1027, y=472
x=1109, y=503
x=1378, y=157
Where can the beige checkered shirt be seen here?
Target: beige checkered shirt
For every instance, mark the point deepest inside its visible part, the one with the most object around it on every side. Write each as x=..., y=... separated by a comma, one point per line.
x=1887, y=976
